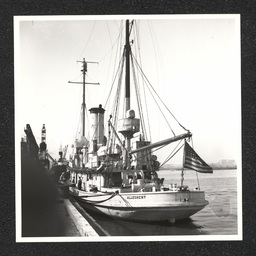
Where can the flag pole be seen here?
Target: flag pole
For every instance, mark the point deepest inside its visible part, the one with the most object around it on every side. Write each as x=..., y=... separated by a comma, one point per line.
x=182, y=177
x=182, y=171
x=198, y=184
x=197, y=181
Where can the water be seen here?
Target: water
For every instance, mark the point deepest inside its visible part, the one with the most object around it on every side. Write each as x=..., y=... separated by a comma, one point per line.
x=218, y=218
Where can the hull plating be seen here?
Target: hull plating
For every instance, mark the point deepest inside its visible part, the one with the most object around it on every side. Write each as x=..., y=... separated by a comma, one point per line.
x=151, y=206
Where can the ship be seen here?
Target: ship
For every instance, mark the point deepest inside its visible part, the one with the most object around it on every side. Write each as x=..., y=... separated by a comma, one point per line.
x=115, y=170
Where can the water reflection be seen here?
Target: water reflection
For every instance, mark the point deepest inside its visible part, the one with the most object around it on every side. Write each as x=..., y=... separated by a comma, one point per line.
x=218, y=218
x=117, y=227
x=220, y=206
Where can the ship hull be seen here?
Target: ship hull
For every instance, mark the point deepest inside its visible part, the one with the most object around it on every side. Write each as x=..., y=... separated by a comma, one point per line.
x=145, y=206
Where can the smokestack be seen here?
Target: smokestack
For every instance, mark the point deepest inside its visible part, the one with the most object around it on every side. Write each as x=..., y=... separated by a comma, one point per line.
x=97, y=127
x=60, y=152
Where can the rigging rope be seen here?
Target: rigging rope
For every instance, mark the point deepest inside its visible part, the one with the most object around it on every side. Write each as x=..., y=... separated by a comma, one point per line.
x=138, y=101
x=196, y=172
x=149, y=152
x=158, y=96
x=158, y=105
x=78, y=116
x=154, y=51
x=120, y=64
x=118, y=40
x=102, y=201
x=115, y=109
x=171, y=155
x=109, y=34
x=87, y=40
x=125, y=201
x=88, y=122
x=137, y=36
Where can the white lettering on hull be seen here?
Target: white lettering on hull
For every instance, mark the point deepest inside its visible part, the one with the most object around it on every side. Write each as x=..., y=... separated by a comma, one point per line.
x=136, y=197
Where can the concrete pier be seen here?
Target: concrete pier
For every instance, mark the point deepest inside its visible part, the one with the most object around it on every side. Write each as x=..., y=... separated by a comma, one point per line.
x=85, y=223
x=48, y=213
x=70, y=229
x=82, y=225
x=47, y=210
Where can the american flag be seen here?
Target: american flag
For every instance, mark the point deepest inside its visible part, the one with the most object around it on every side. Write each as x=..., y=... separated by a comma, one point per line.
x=193, y=161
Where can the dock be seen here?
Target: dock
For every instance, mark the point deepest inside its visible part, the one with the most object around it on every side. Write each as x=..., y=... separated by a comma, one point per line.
x=84, y=223
x=45, y=211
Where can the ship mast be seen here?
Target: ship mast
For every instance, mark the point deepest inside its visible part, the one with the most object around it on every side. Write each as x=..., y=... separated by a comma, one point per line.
x=83, y=104
x=127, y=90
x=127, y=73
x=131, y=124
x=84, y=70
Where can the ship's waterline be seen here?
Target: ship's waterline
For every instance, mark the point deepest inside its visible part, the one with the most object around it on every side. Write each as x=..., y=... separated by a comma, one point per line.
x=219, y=217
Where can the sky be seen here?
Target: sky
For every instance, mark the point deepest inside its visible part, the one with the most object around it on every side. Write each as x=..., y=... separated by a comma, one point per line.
x=193, y=62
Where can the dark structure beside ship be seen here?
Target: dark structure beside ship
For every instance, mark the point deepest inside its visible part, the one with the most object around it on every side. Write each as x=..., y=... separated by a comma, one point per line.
x=40, y=214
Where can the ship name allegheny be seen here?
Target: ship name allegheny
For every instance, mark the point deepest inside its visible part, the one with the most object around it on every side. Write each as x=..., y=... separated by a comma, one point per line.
x=136, y=197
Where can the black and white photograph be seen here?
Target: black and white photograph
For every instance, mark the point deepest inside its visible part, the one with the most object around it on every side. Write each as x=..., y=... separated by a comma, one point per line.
x=128, y=128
